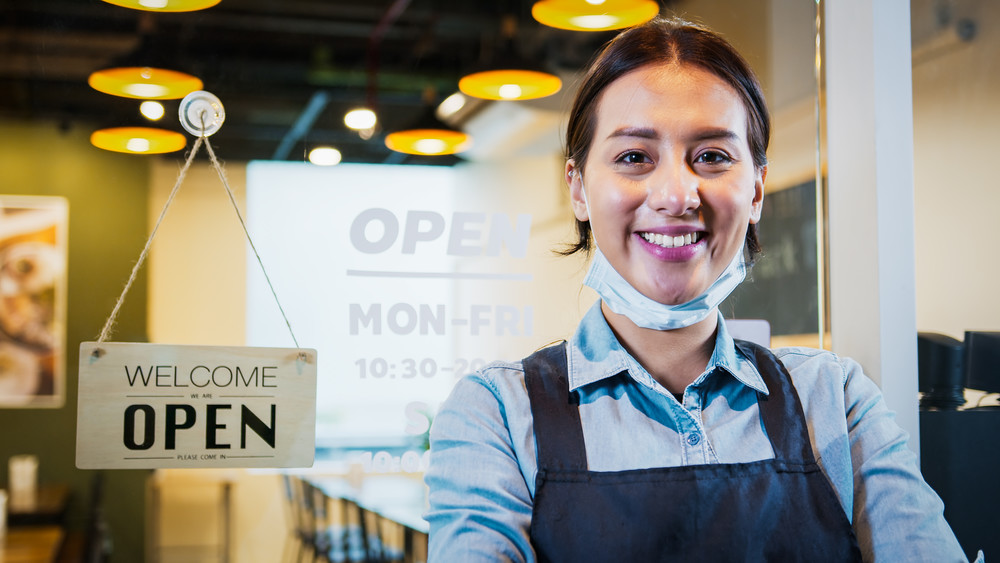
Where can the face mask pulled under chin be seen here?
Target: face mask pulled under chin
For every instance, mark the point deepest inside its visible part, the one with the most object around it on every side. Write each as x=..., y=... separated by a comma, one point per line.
x=625, y=300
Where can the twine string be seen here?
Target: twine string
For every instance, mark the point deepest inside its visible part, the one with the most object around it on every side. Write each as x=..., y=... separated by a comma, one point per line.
x=109, y=324
x=232, y=199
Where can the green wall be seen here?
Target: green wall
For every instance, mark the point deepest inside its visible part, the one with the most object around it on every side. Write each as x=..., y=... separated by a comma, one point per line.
x=107, y=196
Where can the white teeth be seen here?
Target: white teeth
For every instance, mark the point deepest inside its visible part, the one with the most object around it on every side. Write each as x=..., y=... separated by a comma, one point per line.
x=671, y=242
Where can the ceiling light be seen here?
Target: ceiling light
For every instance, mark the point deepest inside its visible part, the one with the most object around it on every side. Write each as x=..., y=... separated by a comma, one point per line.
x=144, y=82
x=509, y=76
x=451, y=105
x=428, y=135
x=588, y=15
x=143, y=72
x=165, y=5
x=325, y=156
x=138, y=140
x=510, y=83
x=430, y=142
x=151, y=110
x=360, y=119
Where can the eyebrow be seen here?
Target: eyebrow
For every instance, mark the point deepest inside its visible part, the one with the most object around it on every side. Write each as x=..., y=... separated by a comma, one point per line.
x=641, y=132
x=718, y=133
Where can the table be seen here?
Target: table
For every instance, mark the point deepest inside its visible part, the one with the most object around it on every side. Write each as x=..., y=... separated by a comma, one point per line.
x=31, y=544
x=49, y=507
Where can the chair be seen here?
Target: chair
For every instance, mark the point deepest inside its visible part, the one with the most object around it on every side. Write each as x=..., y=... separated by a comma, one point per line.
x=301, y=541
x=415, y=546
x=94, y=544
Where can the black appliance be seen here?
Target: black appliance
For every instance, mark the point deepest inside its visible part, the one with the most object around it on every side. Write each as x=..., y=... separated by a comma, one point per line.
x=960, y=449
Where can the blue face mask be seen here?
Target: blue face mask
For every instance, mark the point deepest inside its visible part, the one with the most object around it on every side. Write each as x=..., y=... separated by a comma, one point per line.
x=625, y=300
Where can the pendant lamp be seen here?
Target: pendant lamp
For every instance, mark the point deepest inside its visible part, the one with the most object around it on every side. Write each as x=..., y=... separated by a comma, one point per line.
x=510, y=82
x=594, y=15
x=429, y=136
x=510, y=76
x=144, y=82
x=165, y=5
x=145, y=74
x=138, y=140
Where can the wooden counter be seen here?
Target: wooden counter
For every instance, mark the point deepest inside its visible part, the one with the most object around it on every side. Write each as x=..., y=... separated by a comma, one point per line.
x=31, y=544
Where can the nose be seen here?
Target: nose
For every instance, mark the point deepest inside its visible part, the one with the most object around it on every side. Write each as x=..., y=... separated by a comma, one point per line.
x=674, y=190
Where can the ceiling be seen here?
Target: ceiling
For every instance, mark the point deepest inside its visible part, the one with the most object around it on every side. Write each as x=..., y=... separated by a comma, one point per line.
x=266, y=60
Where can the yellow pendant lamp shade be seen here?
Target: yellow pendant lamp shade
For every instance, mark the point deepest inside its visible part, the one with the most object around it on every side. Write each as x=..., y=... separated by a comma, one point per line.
x=594, y=15
x=428, y=135
x=165, y=5
x=138, y=140
x=509, y=75
x=509, y=84
x=428, y=142
x=144, y=82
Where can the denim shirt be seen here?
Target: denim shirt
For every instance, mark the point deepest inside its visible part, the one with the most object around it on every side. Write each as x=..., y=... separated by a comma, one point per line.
x=483, y=459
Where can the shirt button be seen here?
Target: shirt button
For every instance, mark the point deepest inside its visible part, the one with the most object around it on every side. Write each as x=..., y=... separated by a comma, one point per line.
x=694, y=439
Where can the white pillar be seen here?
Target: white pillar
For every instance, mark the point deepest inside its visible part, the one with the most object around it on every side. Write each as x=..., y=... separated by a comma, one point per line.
x=871, y=219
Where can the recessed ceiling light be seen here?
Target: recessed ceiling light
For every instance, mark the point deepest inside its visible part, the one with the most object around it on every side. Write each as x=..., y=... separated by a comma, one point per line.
x=325, y=156
x=360, y=119
x=151, y=110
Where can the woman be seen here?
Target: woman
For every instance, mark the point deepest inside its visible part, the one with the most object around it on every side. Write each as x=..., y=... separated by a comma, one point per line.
x=652, y=435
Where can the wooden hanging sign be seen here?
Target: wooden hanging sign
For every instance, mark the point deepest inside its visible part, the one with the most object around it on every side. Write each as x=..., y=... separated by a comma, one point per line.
x=152, y=405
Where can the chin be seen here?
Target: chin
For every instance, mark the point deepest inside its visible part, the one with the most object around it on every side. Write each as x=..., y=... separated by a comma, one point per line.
x=671, y=297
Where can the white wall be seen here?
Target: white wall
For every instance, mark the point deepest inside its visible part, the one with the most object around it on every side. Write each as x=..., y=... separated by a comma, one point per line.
x=197, y=264
x=956, y=106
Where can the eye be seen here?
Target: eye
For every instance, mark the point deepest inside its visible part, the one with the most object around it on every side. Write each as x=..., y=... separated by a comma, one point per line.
x=633, y=158
x=713, y=157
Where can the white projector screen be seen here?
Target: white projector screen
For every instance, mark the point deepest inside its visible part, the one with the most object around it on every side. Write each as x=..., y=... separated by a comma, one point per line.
x=403, y=278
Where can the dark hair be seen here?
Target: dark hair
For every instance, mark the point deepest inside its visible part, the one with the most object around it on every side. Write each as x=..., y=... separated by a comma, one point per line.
x=663, y=41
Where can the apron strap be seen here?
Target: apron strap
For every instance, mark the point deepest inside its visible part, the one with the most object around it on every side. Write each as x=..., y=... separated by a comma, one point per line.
x=780, y=410
x=558, y=431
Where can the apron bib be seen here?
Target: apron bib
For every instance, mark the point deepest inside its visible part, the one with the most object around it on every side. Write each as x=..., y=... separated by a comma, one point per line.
x=781, y=509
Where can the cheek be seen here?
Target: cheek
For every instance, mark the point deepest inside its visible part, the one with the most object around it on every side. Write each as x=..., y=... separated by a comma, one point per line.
x=612, y=209
x=728, y=213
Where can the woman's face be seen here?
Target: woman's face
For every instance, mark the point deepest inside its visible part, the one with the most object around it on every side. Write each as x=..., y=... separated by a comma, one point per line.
x=669, y=180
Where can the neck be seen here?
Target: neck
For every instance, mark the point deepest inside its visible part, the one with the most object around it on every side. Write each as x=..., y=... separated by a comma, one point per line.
x=675, y=358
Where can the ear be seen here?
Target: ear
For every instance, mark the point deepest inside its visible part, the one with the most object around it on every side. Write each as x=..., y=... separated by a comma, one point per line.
x=577, y=196
x=758, y=197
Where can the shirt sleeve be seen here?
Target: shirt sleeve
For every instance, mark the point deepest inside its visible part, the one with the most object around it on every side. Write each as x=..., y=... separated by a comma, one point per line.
x=479, y=502
x=897, y=516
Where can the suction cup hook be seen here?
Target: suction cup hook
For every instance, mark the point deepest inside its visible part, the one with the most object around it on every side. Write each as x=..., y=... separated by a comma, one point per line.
x=201, y=113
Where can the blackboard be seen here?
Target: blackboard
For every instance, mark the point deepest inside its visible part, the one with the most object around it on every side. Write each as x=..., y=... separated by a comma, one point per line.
x=782, y=287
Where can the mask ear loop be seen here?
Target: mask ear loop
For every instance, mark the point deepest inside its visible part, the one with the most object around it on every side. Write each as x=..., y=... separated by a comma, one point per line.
x=583, y=190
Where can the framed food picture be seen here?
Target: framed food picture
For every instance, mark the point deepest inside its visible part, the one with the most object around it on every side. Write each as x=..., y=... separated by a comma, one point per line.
x=33, y=232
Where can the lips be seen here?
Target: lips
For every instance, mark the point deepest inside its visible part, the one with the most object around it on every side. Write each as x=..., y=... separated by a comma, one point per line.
x=668, y=241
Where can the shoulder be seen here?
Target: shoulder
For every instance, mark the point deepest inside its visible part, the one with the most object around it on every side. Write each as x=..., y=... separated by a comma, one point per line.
x=828, y=383
x=805, y=364
x=502, y=379
x=494, y=397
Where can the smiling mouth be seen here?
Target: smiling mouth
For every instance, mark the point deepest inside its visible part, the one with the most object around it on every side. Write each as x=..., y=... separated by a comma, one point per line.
x=667, y=241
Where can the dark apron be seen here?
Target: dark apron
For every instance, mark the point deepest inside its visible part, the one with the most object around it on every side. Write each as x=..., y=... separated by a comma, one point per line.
x=781, y=509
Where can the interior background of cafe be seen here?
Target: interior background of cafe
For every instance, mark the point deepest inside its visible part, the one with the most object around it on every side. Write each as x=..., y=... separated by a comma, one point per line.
x=193, y=289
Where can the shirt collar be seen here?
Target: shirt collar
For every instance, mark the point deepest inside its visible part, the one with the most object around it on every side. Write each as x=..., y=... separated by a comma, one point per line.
x=594, y=353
